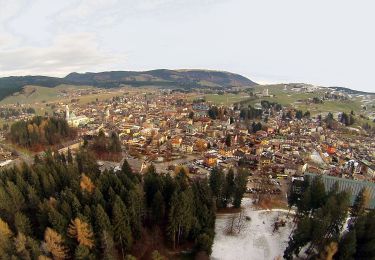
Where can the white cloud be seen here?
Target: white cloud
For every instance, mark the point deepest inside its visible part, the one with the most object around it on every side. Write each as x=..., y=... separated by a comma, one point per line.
x=323, y=42
x=85, y=8
x=92, y=14
x=8, y=11
x=67, y=53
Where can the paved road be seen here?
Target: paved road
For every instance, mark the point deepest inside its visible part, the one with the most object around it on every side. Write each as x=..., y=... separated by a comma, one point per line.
x=22, y=156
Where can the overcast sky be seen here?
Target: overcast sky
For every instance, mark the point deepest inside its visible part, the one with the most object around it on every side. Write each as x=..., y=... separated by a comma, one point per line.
x=326, y=42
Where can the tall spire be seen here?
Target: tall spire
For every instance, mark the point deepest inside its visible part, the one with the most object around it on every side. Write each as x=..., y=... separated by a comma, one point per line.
x=67, y=115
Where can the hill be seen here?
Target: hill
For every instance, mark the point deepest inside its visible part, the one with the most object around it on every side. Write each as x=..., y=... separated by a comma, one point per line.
x=351, y=91
x=162, y=77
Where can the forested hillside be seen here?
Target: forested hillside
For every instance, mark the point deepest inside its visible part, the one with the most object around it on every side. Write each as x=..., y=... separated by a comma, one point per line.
x=62, y=207
x=41, y=132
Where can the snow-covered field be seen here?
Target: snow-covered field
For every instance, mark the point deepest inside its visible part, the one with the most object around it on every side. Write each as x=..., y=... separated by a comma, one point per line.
x=256, y=240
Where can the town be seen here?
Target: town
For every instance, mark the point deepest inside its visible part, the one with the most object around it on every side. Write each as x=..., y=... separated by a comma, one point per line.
x=172, y=129
x=158, y=130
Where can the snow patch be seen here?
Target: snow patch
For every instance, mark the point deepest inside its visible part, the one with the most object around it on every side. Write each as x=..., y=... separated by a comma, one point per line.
x=256, y=239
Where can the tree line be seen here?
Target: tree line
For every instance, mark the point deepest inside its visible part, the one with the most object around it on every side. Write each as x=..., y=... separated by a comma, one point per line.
x=40, y=132
x=228, y=189
x=63, y=207
x=7, y=112
x=320, y=224
x=215, y=112
x=248, y=113
x=105, y=148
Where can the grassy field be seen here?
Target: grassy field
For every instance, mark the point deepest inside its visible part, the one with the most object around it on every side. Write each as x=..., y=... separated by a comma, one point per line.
x=287, y=97
x=102, y=96
x=36, y=94
x=226, y=99
x=38, y=97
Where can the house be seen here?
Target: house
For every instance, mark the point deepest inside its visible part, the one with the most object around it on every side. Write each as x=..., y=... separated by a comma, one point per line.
x=158, y=139
x=366, y=168
x=176, y=142
x=210, y=160
x=227, y=151
x=190, y=129
x=186, y=148
x=200, y=145
x=149, y=131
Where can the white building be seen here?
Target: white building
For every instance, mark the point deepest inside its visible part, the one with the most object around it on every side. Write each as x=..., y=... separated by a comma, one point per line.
x=74, y=120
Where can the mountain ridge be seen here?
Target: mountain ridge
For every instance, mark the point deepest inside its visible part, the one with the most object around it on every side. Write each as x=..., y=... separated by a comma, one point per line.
x=187, y=78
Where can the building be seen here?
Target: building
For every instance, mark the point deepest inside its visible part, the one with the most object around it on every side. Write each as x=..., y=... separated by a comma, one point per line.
x=74, y=120
x=210, y=160
x=353, y=186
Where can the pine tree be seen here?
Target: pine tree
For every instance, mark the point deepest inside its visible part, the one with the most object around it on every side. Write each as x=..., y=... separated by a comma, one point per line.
x=304, y=204
x=158, y=208
x=103, y=223
x=66, y=210
x=81, y=231
x=347, y=246
x=127, y=170
x=82, y=252
x=204, y=209
x=361, y=203
x=135, y=201
x=230, y=186
x=121, y=227
x=365, y=236
x=337, y=206
x=57, y=220
x=5, y=201
x=152, y=183
x=181, y=179
x=240, y=188
x=108, y=245
x=180, y=216
x=318, y=193
x=22, y=224
x=115, y=144
x=33, y=247
x=15, y=196
x=204, y=243
x=217, y=181
x=87, y=215
x=55, y=244
x=301, y=236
